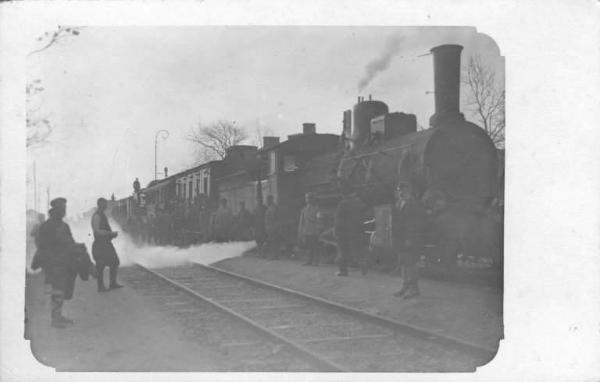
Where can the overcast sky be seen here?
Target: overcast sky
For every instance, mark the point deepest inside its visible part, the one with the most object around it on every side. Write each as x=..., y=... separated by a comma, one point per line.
x=108, y=90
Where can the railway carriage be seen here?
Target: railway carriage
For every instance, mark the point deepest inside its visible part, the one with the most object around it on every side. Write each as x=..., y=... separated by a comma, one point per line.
x=453, y=164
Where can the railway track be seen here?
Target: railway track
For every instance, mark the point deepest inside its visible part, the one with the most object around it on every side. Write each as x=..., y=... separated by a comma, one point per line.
x=277, y=329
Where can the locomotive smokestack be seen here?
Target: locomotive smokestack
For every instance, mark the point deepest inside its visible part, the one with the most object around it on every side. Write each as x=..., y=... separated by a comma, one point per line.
x=446, y=75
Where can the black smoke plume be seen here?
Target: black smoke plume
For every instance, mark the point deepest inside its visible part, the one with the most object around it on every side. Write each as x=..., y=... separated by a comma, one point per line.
x=392, y=48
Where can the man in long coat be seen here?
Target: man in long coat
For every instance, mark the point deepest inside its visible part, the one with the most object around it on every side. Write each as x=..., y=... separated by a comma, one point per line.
x=408, y=223
x=55, y=249
x=309, y=228
x=349, y=228
x=103, y=251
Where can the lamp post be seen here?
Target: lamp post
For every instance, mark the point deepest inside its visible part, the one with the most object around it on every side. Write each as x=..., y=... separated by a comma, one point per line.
x=165, y=135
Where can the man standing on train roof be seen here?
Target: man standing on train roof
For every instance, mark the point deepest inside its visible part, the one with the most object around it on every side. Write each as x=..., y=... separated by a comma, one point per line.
x=103, y=251
x=309, y=229
x=136, y=185
x=55, y=243
x=349, y=228
x=408, y=222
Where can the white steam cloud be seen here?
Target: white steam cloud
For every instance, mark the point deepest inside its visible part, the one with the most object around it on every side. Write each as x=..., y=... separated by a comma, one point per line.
x=159, y=257
x=381, y=63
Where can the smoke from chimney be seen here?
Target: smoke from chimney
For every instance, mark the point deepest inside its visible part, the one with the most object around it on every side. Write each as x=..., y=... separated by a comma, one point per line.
x=381, y=63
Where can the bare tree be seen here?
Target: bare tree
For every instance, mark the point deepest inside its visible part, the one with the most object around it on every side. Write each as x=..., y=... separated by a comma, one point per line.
x=216, y=138
x=486, y=98
x=38, y=125
x=50, y=38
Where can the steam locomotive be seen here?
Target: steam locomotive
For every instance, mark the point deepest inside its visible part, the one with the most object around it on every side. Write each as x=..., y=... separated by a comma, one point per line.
x=453, y=166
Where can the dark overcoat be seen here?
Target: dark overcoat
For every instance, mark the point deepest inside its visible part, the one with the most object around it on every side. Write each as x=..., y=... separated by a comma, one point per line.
x=349, y=221
x=408, y=226
x=56, y=255
x=103, y=250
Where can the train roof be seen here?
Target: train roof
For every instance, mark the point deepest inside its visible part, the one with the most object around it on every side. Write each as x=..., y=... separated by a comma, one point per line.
x=301, y=141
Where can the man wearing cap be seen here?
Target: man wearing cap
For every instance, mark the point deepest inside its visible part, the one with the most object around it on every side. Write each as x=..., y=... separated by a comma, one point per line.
x=408, y=221
x=349, y=228
x=309, y=229
x=55, y=243
x=103, y=251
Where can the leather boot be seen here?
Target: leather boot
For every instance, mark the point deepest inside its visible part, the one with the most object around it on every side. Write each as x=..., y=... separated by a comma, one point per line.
x=57, y=303
x=413, y=291
x=402, y=290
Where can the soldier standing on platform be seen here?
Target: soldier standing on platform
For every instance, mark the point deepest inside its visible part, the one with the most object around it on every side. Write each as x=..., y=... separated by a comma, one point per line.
x=349, y=229
x=309, y=229
x=55, y=243
x=272, y=225
x=103, y=251
x=408, y=222
x=244, y=222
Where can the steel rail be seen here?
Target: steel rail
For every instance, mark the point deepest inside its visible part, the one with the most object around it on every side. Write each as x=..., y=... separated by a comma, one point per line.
x=312, y=356
x=416, y=331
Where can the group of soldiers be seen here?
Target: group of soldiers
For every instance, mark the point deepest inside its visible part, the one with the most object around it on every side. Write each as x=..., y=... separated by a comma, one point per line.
x=408, y=225
x=184, y=224
x=271, y=228
x=181, y=223
x=62, y=259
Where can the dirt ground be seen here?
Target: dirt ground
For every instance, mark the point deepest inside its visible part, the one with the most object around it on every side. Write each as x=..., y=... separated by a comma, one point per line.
x=125, y=331
x=115, y=331
x=470, y=313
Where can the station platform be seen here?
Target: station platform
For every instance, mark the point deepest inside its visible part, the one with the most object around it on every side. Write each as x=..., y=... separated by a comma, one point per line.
x=115, y=331
x=471, y=313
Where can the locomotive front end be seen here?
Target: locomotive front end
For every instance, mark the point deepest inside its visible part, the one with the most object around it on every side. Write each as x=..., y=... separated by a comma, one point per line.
x=452, y=167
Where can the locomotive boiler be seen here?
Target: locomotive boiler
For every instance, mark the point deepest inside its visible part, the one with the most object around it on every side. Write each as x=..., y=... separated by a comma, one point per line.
x=452, y=166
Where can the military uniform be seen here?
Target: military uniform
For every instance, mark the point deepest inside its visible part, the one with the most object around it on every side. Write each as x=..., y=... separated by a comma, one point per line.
x=244, y=222
x=103, y=251
x=309, y=228
x=408, y=222
x=349, y=230
x=55, y=257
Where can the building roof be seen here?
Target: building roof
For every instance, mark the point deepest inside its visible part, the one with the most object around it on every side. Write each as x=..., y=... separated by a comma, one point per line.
x=301, y=140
